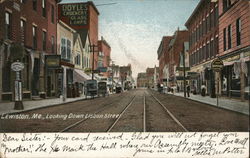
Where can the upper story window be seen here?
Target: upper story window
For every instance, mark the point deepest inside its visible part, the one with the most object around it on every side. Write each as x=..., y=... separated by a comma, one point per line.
x=8, y=23
x=34, y=4
x=44, y=40
x=238, y=31
x=224, y=39
x=23, y=1
x=78, y=59
x=66, y=49
x=34, y=34
x=226, y=5
x=216, y=16
x=229, y=30
x=52, y=14
x=44, y=8
x=23, y=30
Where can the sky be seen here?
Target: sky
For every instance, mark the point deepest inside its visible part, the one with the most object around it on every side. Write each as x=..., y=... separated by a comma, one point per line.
x=134, y=28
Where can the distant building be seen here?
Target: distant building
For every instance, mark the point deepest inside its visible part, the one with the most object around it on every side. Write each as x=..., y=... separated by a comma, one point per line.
x=152, y=75
x=104, y=58
x=163, y=57
x=142, y=80
x=126, y=76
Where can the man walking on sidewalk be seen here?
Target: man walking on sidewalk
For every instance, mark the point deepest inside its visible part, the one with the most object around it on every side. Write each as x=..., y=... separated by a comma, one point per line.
x=188, y=90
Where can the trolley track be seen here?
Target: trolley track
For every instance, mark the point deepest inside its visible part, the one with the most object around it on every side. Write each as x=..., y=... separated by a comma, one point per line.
x=104, y=107
x=166, y=110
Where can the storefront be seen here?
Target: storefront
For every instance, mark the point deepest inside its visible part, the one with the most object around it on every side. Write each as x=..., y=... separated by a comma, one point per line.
x=235, y=75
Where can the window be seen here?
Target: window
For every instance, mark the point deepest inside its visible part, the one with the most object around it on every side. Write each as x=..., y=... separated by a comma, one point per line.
x=53, y=44
x=203, y=53
x=78, y=59
x=44, y=8
x=34, y=4
x=216, y=16
x=63, y=48
x=23, y=1
x=238, y=31
x=23, y=30
x=66, y=49
x=52, y=14
x=208, y=23
x=212, y=19
x=34, y=33
x=225, y=39
x=212, y=48
x=8, y=24
x=44, y=40
x=69, y=50
x=216, y=46
x=229, y=31
x=226, y=5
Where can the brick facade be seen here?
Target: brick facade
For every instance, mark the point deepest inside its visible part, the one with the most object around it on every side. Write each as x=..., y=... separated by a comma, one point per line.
x=105, y=48
x=33, y=56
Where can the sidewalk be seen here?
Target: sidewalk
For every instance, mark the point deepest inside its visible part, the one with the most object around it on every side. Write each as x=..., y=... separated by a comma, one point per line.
x=8, y=107
x=225, y=103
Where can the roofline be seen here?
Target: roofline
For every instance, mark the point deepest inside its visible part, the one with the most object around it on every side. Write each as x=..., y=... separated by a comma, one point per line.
x=93, y=5
x=195, y=10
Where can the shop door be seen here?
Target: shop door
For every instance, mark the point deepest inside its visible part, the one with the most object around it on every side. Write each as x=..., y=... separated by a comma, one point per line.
x=35, y=79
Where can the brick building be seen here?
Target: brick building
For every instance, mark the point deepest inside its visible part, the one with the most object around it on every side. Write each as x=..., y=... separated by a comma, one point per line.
x=152, y=75
x=163, y=57
x=142, y=80
x=126, y=76
x=28, y=34
x=175, y=48
x=104, y=58
x=203, y=43
x=234, y=47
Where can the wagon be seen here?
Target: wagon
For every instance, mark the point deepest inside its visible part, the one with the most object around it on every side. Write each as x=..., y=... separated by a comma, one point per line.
x=90, y=88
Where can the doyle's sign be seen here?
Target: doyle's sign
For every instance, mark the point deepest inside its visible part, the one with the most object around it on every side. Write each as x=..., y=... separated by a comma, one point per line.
x=74, y=13
x=17, y=66
x=217, y=64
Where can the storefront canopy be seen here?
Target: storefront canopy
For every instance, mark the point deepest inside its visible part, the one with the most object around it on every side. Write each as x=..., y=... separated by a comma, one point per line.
x=80, y=76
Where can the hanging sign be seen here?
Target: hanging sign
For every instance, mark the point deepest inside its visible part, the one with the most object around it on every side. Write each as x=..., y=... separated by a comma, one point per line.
x=217, y=64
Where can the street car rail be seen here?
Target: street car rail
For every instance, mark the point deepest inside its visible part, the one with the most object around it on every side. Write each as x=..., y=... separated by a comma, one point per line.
x=123, y=111
x=85, y=119
x=169, y=113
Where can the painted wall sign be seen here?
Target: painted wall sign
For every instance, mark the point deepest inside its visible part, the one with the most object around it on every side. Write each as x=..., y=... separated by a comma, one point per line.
x=76, y=13
x=17, y=66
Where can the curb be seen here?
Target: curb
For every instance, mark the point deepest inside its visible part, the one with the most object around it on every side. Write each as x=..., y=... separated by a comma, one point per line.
x=219, y=107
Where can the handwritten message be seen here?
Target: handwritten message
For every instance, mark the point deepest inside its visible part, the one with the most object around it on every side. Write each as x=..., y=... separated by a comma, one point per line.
x=197, y=144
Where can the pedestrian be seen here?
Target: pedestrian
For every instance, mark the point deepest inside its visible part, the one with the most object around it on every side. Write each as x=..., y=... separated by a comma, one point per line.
x=188, y=90
x=178, y=88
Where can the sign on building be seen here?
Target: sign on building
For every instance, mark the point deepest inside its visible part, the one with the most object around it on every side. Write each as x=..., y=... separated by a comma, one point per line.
x=53, y=61
x=17, y=66
x=74, y=13
x=217, y=64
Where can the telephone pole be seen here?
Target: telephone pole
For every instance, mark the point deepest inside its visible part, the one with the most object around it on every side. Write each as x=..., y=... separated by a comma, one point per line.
x=92, y=47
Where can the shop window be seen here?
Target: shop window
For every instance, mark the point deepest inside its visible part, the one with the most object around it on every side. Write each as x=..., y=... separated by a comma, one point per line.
x=8, y=25
x=238, y=31
x=229, y=31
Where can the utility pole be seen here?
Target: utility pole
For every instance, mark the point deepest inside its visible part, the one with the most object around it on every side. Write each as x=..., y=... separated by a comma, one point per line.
x=184, y=75
x=93, y=58
x=112, y=82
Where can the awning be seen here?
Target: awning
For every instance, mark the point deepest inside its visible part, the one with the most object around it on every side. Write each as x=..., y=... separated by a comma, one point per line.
x=80, y=76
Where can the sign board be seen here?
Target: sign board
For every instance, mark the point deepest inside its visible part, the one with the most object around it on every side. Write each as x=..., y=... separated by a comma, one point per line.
x=17, y=66
x=182, y=68
x=217, y=64
x=74, y=14
x=53, y=61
